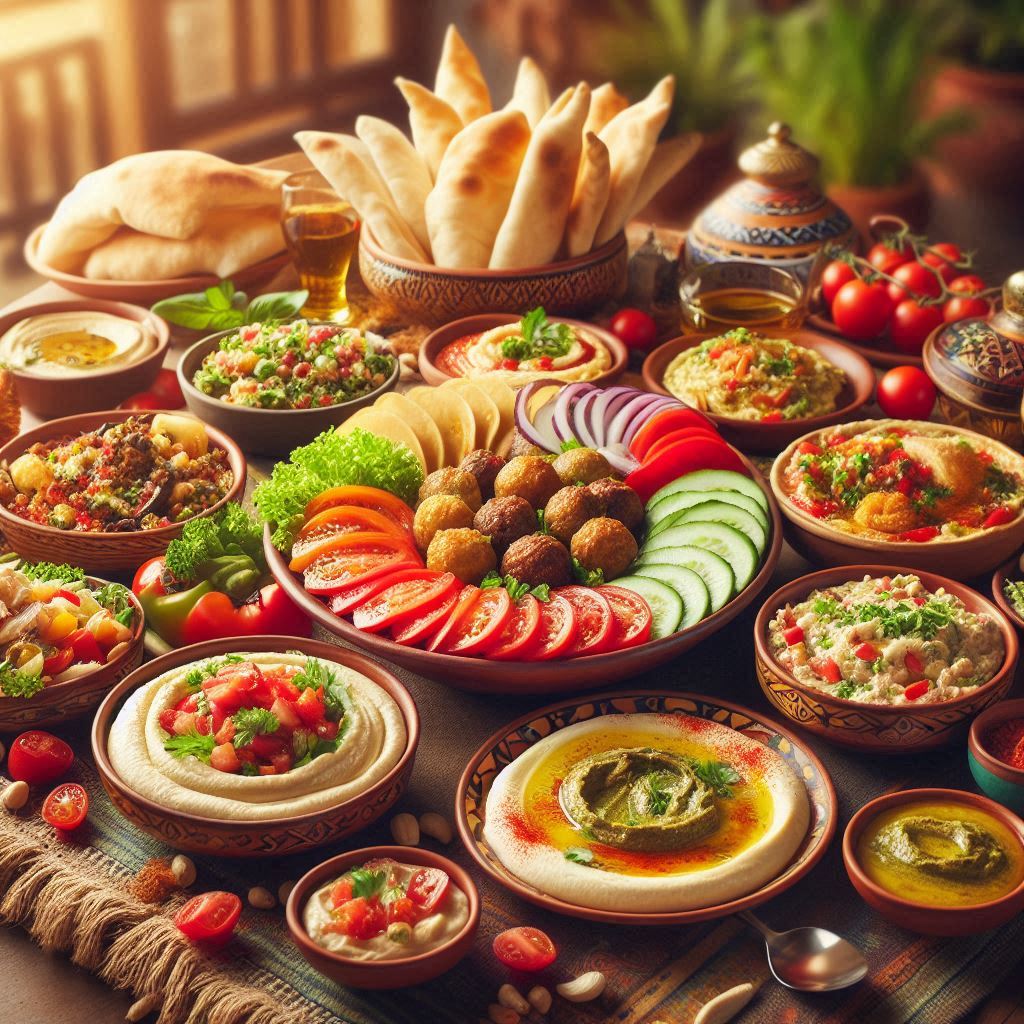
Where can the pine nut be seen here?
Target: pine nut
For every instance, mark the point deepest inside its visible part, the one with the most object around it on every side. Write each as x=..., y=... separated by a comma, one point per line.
x=510, y=996
x=405, y=829
x=436, y=826
x=539, y=998
x=184, y=870
x=261, y=899
x=15, y=796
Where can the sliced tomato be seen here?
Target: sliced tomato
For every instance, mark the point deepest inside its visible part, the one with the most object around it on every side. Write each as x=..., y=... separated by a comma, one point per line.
x=337, y=569
x=481, y=625
x=679, y=435
x=665, y=423
x=445, y=627
x=557, y=628
x=410, y=590
x=66, y=807
x=525, y=949
x=595, y=622
x=85, y=646
x=314, y=538
x=366, y=497
x=415, y=628
x=681, y=458
x=58, y=661
x=520, y=634
x=428, y=887
x=210, y=917
x=341, y=543
x=632, y=617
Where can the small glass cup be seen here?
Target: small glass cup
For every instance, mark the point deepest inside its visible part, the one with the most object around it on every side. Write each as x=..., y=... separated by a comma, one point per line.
x=322, y=232
x=741, y=293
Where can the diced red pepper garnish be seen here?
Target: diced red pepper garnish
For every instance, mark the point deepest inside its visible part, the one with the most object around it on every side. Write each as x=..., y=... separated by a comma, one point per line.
x=793, y=635
x=916, y=690
x=920, y=602
x=999, y=517
x=913, y=663
x=772, y=417
x=866, y=652
x=921, y=534
x=807, y=448
x=732, y=384
x=827, y=669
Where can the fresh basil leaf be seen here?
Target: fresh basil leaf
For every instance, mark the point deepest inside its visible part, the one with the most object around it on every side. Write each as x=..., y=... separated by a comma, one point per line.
x=191, y=310
x=219, y=296
x=367, y=883
x=275, y=306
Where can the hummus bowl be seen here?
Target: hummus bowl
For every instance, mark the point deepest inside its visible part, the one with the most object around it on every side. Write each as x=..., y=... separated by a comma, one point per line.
x=809, y=792
x=192, y=806
x=899, y=728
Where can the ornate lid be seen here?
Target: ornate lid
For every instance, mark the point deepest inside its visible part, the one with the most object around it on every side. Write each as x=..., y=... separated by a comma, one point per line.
x=777, y=160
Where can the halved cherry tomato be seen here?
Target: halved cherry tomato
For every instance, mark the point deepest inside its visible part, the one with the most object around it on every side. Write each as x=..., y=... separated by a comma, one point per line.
x=525, y=949
x=595, y=623
x=210, y=917
x=37, y=757
x=679, y=435
x=446, y=627
x=632, y=617
x=314, y=538
x=917, y=690
x=58, y=661
x=681, y=458
x=427, y=888
x=521, y=631
x=336, y=569
x=481, y=625
x=663, y=423
x=409, y=591
x=417, y=627
x=339, y=543
x=367, y=497
x=66, y=807
x=557, y=628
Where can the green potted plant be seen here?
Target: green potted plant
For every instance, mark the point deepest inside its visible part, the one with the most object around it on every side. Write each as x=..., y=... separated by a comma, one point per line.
x=848, y=76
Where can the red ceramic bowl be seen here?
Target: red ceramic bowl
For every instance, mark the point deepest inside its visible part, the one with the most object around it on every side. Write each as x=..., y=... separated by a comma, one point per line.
x=875, y=728
x=752, y=435
x=997, y=779
x=381, y=974
x=265, y=838
x=922, y=917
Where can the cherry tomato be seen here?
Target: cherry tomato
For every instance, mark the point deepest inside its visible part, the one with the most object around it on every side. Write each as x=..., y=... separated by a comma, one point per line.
x=521, y=631
x=887, y=255
x=967, y=284
x=911, y=324
x=37, y=757
x=834, y=276
x=860, y=310
x=632, y=617
x=944, y=256
x=965, y=307
x=634, y=328
x=999, y=517
x=210, y=917
x=66, y=807
x=428, y=887
x=167, y=388
x=144, y=401
x=595, y=623
x=58, y=661
x=410, y=591
x=557, y=628
x=906, y=393
x=914, y=279
x=525, y=949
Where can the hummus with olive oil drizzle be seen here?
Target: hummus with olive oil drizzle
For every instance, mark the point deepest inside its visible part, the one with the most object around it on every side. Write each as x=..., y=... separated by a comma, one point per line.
x=659, y=813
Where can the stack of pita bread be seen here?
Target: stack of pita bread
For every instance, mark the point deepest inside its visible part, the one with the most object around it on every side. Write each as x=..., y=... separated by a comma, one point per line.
x=518, y=187
x=165, y=214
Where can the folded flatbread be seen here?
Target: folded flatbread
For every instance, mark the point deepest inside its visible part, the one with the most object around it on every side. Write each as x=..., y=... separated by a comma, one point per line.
x=432, y=121
x=474, y=185
x=605, y=102
x=168, y=193
x=589, y=197
x=668, y=159
x=530, y=93
x=460, y=82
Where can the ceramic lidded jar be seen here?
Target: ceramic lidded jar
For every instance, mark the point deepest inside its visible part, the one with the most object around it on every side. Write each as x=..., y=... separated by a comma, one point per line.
x=978, y=367
x=776, y=214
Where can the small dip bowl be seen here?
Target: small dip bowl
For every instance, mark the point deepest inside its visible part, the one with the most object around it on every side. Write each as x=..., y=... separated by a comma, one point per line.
x=400, y=972
x=924, y=918
x=742, y=293
x=995, y=778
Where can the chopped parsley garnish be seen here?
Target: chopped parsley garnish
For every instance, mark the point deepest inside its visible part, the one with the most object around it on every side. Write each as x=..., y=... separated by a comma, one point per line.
x=1014, y=590
x=588, y=577
x=844, y=691
x=538, y=337
x=248, y=768
x=717, y=775
x=52, y=573
x=14, y=683
x=781, y=367
x=903, y=619
x=191, y=744
x=515, y=589
x=657, y=793
x=367, y=883
x=253, y=722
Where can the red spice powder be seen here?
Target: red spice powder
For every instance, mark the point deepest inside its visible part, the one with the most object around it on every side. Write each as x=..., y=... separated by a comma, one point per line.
x=523, y=830
x=1005, y=742
x=154, y=882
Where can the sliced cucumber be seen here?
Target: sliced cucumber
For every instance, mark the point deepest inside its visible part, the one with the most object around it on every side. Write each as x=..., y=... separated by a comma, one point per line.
x=687, y=584
x=666, y=605
x=668, y=510
x=733, y=545
x=711, y=568
x=723, y=512
x=713, y=480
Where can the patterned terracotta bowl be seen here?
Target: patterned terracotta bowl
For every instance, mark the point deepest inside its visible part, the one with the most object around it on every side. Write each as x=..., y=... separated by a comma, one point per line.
x=94, y=551
x=63, y=702
x=925, y=918
x=399, y=972
x=876, y=728
x=265, y=838
x=427, y=294
x=1000, y=781
x=508, y=743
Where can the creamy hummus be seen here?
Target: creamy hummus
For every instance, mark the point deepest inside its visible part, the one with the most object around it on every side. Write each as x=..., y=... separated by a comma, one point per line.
x=68, y=344
x=762, y=809
x=372, y=745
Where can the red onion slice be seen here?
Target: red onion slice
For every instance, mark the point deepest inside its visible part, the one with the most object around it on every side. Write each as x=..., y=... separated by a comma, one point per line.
x=563, y=415
x=652, y=410
x=628, y=413
x=619, y=458
x=525, y=424
x=605, y=406
x=581, y=418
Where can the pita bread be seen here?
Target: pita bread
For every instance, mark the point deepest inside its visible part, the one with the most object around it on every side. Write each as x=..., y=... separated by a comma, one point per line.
x=605, y=102
x=668, y=159
x=229, y=241
x=453, y=417
x=384, y=424
x=589, y=197
x=167, y=193
x=432, y=121
x=340, y=163
x=474, y=185
x=530, y=93
x=532, y=230
x=403, y=170
x=460, y=82
x=421, y=425
x=486, y=416
x=504, y=399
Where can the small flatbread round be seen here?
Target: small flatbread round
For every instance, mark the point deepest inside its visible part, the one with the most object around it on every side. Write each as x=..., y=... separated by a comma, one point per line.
x=384, y=424
x=453, y=417
x=504, y=398
x=423, y=426
x=485, y=412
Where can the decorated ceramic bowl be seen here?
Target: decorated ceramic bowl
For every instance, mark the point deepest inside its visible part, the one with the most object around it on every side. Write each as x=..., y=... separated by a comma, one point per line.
x=876, y=728
x=996, y=779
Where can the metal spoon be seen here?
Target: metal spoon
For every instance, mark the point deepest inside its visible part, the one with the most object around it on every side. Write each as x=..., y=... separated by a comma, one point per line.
x=810, y=959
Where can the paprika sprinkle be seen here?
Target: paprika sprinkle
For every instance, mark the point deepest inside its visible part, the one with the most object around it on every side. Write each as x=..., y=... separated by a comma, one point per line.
x=1005, y=742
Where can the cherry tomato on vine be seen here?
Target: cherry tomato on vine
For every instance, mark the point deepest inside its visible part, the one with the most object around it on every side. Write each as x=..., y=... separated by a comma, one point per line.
x=634, y=328
x=906, y=393
x=911, y=323
x=967, y=284
x=834, y=276
x=915, y=281
x=887, y=256
x=944, y=256
x=965, y=307
x=861, y=310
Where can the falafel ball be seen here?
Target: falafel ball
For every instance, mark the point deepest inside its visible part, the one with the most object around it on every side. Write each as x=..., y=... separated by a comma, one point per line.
x=604, y=544
x=505, y=520
x=582, y=465
x=450, y=480
x=619, y=501
x=521, y=446
x=538, y=559
x=484, y=465
x=465, y=553
x=529, y=476
x=568, y=509
x=439, y=512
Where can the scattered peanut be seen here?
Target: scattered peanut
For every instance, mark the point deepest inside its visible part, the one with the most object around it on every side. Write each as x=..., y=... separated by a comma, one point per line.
x=405, y=829
x=261, y=899
x=184, y=870
x=502, y=1014
x=436, y=826
x=725, y=1005
x=584, y=988
x=539, y=998
x=510, y=996
x=143, y=1007
x=284, y=890
x=15, y=796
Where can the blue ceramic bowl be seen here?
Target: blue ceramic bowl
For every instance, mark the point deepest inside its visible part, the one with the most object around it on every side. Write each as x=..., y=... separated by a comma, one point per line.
x=995, y=779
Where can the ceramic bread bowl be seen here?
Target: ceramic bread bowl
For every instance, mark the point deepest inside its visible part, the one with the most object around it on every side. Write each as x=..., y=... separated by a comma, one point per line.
x=93, y=550
x=428, y=294
x=88, y=390
x=758, y=436
x=399, y=972
x=995, y=778
x=266, y=837
x=876, y=728
x=926, y=918
x=264, y=431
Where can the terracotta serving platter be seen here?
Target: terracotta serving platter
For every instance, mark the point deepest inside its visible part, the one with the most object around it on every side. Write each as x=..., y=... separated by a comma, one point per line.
x=509, y=742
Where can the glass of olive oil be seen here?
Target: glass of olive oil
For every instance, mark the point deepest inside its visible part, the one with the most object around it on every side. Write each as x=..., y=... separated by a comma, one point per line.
x=740, y=293
x=322, y=231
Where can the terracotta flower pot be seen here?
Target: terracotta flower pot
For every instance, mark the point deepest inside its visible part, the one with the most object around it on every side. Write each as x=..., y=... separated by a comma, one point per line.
x=910, y=200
